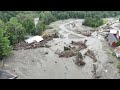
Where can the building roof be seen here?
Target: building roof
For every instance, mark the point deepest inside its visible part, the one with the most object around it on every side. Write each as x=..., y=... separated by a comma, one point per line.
x=35, y=38
x=112, y=38
x=113, y=31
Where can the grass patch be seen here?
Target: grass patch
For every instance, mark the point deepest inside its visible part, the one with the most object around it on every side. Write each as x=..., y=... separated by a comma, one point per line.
x=118, y=65
x=105, y=21
x=113, y=54
x=117, y=17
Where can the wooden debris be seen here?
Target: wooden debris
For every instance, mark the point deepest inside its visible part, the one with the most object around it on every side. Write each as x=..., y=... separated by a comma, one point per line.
x=73, y=50
x=81, y=45
x=50, y=36
x=91, y=55
x=79, y=60
x=67, y=54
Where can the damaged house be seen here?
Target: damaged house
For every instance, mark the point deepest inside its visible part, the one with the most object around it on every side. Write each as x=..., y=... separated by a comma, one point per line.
x=114, y=37
x=112, y=40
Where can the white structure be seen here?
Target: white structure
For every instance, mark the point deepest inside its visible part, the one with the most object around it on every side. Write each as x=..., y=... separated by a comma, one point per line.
x=33, y=39
x=113, y=31
x=36, y=21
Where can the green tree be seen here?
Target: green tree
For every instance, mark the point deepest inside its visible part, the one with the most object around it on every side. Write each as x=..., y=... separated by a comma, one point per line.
x=6, y=15
x=15, y=31
x=93, y=21
x=27, y=21
x=40, y=27
x=5, y=48
x=29, y=25
x=47, y=17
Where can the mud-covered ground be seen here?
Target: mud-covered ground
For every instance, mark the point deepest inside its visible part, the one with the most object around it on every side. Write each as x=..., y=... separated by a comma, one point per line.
x=36, y=64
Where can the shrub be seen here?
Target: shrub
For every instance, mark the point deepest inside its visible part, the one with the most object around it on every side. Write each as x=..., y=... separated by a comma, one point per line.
x=118, y=65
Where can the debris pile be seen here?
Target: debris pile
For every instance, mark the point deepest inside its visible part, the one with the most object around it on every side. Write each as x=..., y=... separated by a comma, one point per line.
x=91, y=55
x=79, y=59
x=50, y=36
x=94, y=72
x=81, y=45
x=33, y=45
x=67, y=48
x=70, y=50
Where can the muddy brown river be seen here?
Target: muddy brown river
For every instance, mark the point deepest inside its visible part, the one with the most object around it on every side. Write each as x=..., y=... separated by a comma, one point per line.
x=35, y=64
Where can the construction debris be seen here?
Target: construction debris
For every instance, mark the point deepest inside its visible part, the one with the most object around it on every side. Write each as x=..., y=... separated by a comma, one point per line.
x=91, y=55
x=33, y=45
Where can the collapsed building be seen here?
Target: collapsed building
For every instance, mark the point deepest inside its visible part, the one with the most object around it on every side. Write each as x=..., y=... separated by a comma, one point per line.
x=114, y=39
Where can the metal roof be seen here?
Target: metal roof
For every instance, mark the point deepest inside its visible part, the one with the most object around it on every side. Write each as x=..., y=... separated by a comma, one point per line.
x=112, y=38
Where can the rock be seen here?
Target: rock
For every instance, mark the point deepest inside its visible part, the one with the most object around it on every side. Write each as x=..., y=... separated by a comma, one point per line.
x=66, y=48
x=55, y=62
x=106, y=71
x=80, y=63
x=47, y=46
x=98, y=76
x=111, y=62
x=56, y=44
x=46, y=52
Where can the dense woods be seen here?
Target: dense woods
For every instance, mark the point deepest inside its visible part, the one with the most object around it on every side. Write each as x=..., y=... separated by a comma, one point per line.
x=93, y=21
x=15, y=25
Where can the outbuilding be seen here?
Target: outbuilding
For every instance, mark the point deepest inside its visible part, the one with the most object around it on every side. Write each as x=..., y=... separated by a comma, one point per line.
x=34, y=39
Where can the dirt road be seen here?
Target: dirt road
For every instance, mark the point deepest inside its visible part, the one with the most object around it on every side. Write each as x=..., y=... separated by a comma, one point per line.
x=35, y=64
